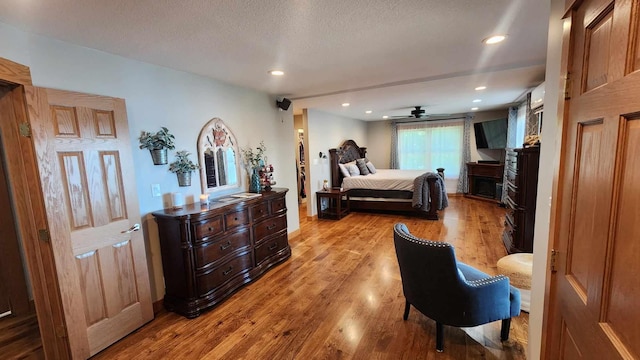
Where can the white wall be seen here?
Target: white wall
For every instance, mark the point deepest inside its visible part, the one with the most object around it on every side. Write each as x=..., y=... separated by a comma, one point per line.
x=327, y=131
x=549, y=160
x=155, y=97
x=379, y=143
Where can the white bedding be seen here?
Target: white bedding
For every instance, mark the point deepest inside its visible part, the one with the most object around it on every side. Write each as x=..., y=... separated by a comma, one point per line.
x=383, y=179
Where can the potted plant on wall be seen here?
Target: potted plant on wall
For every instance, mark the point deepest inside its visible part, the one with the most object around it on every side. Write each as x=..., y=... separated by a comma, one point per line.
x=157, y=143
x=183, y=167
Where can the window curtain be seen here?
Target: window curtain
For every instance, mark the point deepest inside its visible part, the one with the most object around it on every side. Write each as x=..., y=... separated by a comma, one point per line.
x=512, y=142
x=521, y=124
x=394, y=146
x=463, y=180
x=430, y=145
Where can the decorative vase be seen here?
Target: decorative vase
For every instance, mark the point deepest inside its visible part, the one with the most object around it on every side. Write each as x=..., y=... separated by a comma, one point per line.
x=159, y=156
x=184, y=179
x=254, y=183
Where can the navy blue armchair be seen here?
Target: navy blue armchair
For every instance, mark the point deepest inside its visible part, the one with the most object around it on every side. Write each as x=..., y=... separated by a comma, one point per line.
x=450, y=292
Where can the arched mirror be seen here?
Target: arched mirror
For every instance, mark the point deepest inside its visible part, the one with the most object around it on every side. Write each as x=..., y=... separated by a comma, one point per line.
x=218, y=157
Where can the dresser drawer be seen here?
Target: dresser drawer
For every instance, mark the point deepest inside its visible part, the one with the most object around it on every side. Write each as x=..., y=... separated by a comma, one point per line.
x=209, y=253
x=271, y=246
x=259, y=211
x=278, y=205
x=210, y=280
x=208, y=228
x=236, y=219
x=269, y=227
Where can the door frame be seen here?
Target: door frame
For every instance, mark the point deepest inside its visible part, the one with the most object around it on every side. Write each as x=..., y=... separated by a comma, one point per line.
x=24, y=178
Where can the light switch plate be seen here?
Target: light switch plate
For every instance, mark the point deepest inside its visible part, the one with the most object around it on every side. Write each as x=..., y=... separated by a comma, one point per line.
x=155, y=190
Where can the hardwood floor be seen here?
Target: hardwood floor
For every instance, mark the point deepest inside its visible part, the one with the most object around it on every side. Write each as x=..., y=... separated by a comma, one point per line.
x=20, y=338
x=339, y=297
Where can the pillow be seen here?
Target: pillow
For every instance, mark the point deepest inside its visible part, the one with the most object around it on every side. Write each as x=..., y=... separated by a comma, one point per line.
x=343, y=170
x=372, y=169
x=353, y=169
x=362, y=167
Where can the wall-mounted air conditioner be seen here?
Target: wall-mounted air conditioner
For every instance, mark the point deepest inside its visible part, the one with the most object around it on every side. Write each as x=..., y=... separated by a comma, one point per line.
x=537, y=97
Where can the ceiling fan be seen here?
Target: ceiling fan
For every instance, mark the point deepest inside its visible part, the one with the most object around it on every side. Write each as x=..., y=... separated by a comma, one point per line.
x=419, y=113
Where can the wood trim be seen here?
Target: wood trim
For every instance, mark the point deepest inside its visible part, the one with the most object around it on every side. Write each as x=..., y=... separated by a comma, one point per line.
x=14, y=73
x=29, y=211
x=294, y=234
x=158, y=306
x=551, y=322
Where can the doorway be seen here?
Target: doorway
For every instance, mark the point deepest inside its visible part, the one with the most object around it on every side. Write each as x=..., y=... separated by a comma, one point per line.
x=302, y=154
x=18, y=321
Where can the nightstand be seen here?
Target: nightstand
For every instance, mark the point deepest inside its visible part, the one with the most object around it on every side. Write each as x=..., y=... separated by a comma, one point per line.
x=337, y=204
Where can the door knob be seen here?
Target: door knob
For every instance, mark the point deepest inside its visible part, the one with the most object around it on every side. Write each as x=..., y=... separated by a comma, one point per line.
x=135, y=227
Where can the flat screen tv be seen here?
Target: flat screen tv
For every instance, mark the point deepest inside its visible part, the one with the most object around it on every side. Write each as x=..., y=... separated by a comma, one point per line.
x=491, y=134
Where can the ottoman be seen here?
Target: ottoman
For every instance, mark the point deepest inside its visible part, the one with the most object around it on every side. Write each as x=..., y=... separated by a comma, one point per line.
x=518, y=268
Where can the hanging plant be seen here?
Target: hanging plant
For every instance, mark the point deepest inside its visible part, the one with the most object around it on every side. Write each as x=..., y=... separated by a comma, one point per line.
x=183, y=167
x=157, y=144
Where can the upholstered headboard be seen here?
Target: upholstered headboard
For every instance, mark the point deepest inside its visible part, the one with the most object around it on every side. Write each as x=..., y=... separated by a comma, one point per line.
x=347, y=152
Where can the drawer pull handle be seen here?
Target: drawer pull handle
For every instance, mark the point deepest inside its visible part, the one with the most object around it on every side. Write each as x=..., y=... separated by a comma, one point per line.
x=211, y=228
x=271, y=227
x=273, y=246
x=225, y=246
x=228, y=271
x=235, y=218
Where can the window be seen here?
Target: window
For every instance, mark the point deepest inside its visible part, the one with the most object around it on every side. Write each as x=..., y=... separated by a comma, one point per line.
x=428, y=146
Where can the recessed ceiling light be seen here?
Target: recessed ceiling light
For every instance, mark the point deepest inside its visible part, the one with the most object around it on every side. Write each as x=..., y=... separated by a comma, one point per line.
x=368, y=112
x=345, y=104
x=476, y=100
x=494, y=39
x=385, y=117
x=276, y=72
x=480, y=88
x=474, y=108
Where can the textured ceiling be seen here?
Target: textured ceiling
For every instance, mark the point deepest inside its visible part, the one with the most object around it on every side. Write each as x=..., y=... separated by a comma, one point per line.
x=379, y=55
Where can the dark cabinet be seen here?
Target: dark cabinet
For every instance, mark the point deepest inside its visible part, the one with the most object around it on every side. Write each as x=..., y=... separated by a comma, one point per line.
x=210, y=252
x=522, y=189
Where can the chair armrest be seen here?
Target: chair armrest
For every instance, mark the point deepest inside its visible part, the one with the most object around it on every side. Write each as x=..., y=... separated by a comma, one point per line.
x=488, y=298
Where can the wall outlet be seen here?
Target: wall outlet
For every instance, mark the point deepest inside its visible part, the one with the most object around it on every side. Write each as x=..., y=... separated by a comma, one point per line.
x=155, y=190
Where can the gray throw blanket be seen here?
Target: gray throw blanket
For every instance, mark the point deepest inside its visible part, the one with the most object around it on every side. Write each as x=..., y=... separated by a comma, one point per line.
x=421, y=198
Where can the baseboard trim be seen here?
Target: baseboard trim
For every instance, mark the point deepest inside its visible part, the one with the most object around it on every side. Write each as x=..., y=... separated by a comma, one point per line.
x=294, y=234
x=158, y=306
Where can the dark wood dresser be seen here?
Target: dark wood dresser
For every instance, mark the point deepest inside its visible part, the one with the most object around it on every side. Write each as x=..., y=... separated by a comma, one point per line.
x=522, y=189
x=210, y=252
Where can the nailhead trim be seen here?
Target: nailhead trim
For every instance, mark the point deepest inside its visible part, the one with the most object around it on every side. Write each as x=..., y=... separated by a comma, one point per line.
x=474, y=283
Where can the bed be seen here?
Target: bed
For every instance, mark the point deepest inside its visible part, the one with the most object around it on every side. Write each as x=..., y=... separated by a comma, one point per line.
x=387, y=190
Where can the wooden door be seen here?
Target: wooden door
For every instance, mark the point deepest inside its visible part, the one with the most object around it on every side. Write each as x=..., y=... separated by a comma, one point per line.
x=86, y=170
x=595, y=292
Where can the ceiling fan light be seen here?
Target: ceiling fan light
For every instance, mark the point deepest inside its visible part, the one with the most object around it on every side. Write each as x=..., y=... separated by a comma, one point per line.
x=474, y=108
